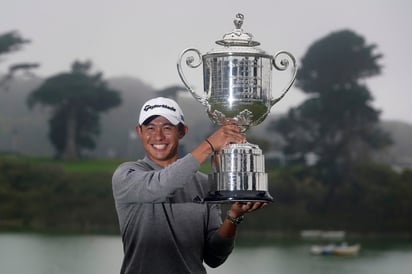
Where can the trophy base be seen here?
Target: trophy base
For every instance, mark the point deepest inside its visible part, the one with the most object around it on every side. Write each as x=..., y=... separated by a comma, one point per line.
x=238, y=196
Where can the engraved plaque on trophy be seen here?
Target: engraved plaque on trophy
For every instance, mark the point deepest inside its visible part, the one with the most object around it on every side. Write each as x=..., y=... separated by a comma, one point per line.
x=237, y=81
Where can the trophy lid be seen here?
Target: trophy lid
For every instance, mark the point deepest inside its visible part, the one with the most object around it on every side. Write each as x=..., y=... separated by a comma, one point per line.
x=238, y=37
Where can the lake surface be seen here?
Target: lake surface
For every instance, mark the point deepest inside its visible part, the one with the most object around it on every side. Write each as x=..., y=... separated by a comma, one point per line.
x=63, y=254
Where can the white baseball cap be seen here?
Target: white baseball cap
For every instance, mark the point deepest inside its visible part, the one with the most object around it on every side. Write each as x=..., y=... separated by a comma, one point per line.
x=162, y=106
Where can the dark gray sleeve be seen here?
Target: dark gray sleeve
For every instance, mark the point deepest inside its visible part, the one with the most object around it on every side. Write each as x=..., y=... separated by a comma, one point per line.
x=217, y=248
x=134, y=183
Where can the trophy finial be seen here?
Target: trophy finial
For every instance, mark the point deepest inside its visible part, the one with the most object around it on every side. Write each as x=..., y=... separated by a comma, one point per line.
x=238, y=37
x=239, y=20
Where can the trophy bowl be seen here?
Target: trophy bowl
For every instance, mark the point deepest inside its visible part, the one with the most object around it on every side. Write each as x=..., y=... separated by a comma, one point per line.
x=237, y=81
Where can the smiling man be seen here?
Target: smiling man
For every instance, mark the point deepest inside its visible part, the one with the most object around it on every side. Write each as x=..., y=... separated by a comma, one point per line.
x=163, y=230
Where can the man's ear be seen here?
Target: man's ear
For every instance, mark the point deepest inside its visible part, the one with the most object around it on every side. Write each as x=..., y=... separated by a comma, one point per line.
x=139, y=130
x=183, y=131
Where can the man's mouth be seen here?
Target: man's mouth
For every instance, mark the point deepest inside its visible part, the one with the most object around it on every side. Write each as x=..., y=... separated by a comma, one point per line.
x=160, y=147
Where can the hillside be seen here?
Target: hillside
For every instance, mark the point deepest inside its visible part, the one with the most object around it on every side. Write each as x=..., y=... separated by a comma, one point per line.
x=23, y=130
x=400, y=154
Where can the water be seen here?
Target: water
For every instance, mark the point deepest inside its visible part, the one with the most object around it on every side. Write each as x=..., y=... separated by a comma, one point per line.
x=51, y=254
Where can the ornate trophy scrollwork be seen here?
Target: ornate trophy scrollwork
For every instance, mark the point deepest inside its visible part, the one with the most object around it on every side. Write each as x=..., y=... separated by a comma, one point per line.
x=237, y=81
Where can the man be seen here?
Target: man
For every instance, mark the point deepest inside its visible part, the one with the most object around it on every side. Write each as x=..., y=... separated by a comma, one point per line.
x=163, y=230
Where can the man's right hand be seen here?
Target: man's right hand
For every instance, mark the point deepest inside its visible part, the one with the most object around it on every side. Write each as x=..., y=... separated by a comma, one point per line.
x=225, y=135
x=219, y=139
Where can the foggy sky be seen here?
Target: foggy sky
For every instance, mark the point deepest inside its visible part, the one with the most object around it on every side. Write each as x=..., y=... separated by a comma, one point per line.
x=143, y=39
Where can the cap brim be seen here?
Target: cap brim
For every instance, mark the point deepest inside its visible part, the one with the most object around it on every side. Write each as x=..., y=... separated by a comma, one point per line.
x=171, y=119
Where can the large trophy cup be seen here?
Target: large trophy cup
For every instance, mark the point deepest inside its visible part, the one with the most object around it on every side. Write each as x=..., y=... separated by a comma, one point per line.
x=237, y=90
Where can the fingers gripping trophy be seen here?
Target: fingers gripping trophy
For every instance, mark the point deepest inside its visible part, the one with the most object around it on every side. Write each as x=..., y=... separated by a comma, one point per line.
x=237, y=79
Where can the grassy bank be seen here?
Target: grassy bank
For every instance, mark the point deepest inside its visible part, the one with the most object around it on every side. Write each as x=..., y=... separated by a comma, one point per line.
x=44, y=194
x=83, y=165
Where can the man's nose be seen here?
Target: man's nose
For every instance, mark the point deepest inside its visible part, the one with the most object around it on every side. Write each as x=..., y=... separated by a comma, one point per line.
x=159, y=134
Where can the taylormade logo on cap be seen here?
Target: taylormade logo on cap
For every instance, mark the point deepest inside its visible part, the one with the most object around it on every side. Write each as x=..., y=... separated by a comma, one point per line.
x=149, y=107
x=162, y=106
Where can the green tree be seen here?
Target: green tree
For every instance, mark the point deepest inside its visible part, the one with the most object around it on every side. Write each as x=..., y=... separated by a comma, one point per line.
x=76, y=98
x=337, y=123
x=11, y=42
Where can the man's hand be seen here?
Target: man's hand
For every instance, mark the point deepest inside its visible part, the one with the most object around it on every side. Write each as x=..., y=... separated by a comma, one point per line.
x=219, y=139
x=225, y=135
x=240, y=208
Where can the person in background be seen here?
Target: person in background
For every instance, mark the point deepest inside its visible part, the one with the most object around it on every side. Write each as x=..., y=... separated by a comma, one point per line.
x=163, y=230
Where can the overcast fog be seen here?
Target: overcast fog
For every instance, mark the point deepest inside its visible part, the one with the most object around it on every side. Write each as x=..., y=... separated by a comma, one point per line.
x=143, y=39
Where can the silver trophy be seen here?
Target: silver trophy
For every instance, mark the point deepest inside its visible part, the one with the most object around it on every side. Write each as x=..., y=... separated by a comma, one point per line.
x=237, y=78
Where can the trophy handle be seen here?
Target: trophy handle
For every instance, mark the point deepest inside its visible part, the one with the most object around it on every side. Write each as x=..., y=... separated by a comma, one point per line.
x=283, y=65
x=190, y=62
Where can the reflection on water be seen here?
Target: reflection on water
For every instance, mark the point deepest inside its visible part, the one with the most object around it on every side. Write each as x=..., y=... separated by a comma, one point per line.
x=43, y=254
x=48, y=254
x=297, y=259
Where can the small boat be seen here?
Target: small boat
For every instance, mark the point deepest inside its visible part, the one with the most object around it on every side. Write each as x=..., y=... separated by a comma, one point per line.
x=338, y=250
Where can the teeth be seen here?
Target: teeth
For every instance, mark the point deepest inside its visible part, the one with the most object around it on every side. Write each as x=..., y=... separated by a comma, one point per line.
x=163, y=146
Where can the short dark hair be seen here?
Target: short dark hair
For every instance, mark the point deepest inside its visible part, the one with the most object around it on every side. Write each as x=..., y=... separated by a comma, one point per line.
x=180, y=126
x=151, y=118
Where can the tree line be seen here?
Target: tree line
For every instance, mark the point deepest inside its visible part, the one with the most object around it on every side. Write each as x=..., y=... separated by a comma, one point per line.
x=336, y=123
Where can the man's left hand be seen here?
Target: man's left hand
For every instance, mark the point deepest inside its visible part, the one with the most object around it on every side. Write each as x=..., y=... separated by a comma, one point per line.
x=240, y=208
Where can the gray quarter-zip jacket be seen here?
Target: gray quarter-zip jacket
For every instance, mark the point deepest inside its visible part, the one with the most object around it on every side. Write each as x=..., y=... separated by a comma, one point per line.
x=163, y=230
